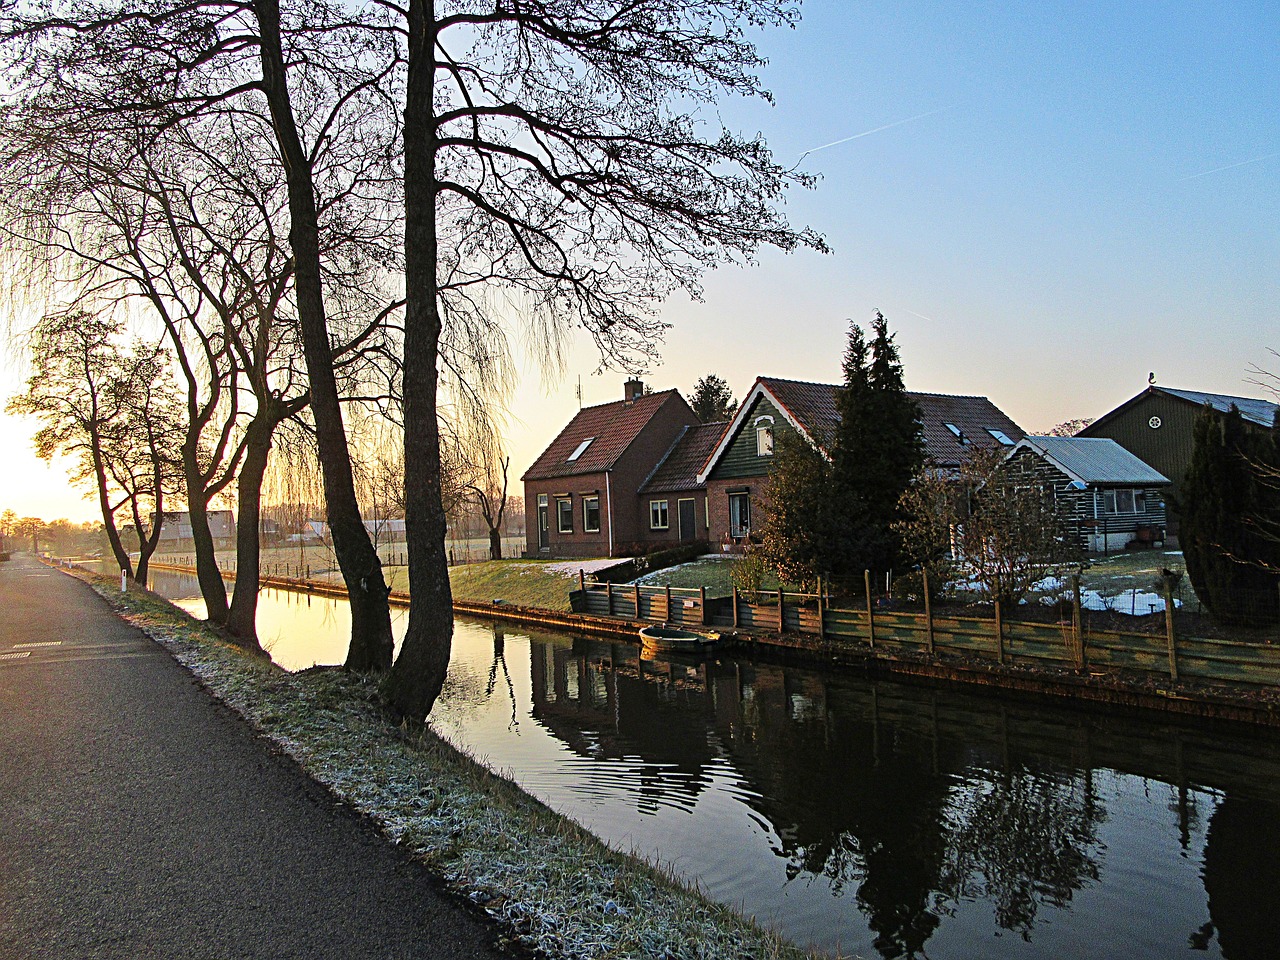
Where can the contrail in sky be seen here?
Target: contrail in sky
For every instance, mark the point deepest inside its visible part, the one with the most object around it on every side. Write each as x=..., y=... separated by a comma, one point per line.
x=867, y=133
x=1229, y=166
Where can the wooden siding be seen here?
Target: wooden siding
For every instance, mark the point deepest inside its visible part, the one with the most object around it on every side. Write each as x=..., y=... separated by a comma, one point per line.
x=1168, y=447
x=1078, y=506
x=740, y=460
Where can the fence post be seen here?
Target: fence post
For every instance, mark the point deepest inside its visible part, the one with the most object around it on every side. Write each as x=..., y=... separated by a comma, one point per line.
x=582, y=580
x=782, y=623
x=928, y=611
x=703, y=598
x=822, y=612
x=999, y=635
x=1077, y=621
x=608, y=593
x=667, y=616
x=637, y=598
x=1168, y=628
x=871, y=617
x=735, y=608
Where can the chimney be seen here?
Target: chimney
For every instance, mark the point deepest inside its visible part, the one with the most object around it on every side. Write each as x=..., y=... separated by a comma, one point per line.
x=632, y=390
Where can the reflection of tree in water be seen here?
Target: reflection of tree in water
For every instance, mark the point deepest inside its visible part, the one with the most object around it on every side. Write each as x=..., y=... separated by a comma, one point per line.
x=500, y=663
x=1023, y=839
x=1242, y=879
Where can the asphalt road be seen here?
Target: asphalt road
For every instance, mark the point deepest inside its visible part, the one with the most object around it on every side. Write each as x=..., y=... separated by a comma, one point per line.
x=139, y=818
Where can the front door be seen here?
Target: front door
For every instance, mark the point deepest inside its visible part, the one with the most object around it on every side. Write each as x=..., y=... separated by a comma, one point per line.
x=688, y=520
x=544, y=513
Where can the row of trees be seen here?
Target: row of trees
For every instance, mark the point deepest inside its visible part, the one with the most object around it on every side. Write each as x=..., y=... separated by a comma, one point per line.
x=324, y=205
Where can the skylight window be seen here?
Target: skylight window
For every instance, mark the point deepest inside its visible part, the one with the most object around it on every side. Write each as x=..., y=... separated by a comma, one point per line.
x=1000, y=437
x=957, y=431
x=579, y=450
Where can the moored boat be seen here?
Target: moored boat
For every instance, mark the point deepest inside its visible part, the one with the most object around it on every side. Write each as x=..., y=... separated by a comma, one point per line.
x=676, y=640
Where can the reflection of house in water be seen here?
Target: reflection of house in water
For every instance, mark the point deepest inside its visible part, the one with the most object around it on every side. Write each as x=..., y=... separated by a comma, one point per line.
x=907, y=801
x=650, y=717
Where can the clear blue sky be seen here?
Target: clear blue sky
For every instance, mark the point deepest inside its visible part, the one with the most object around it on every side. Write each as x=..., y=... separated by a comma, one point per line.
x=1081, y=194
x=1063, y=198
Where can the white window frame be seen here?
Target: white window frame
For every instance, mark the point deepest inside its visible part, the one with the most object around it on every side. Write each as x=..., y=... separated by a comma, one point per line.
x=561, y=513
x=1111, y=501
x=579, y=450
x=744, y=529
x=586, y=522
x=764, y=436
x=659, y=515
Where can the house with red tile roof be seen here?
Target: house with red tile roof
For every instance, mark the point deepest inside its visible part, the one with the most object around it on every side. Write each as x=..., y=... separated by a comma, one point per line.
x=736, y=471
x=582, y=495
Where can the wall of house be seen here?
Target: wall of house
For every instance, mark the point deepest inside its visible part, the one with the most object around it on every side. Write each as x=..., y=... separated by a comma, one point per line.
x=632, y=533
x=1167, y=447
x=1084, y=510
x=757, y=488
x=578, y=543
x=741, y=460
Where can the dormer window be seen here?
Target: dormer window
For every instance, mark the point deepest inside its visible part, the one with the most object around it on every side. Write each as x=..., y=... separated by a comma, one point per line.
x=764, y=436
x=964, y=441
x=1000, y=437
x=579, y=450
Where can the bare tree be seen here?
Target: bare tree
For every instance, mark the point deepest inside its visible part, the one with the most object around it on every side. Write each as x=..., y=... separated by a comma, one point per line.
x=112, y=408
x=490, y=498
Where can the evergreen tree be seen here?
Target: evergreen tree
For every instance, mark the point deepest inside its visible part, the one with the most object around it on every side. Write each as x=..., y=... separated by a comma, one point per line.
x=712, y=400
x=877, y=449
x=1231, y=562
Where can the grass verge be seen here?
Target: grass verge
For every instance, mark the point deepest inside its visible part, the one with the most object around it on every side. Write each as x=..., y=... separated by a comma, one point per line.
x=552, y=886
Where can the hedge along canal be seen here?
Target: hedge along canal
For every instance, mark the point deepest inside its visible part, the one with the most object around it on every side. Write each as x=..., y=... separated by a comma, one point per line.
x=865, y=815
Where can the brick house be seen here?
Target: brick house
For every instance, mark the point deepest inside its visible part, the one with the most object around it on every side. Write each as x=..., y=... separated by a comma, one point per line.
x=736, y=472
x=582, y=494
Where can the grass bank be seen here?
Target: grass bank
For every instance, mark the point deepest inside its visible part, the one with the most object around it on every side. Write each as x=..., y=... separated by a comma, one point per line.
x=552, y=886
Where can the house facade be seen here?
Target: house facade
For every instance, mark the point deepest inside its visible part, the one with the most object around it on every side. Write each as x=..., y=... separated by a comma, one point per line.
x=1157, y=425
x=736, y=472
x=583, y=493
x=1109, y=498
x=176, y=529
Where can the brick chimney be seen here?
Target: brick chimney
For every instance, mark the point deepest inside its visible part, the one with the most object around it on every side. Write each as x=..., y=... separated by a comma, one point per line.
x=632, y=390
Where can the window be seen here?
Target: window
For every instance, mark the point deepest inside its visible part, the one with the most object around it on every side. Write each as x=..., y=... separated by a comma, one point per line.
x=591, y=514
x=958, y=432
x=658, y=517
x=579, y=450
x=764, y=436
x=739, y=515
x=1124, y=501
x=564, y=515
x=1000, y=437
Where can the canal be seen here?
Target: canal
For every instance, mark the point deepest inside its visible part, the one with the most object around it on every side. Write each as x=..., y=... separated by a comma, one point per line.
x=867, y=817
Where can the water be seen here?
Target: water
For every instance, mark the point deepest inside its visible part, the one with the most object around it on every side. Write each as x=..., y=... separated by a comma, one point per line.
x=870, y=818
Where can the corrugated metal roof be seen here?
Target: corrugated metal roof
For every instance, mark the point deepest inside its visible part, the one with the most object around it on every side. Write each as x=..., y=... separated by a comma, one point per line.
x=813, y=405
x=1096, y=461
x=1262, y=412
x=610, y=426
x=678, y=470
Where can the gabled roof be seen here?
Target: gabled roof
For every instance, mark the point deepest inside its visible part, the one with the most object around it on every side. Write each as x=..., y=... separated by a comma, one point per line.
x=609, y=426
x=812, y=410
x=678, y=469
x=1260, y=412
x=1093, y=461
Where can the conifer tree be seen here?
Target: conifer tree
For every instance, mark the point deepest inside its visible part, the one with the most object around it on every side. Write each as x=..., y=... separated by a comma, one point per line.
x=877, y=449
x=1231, y=563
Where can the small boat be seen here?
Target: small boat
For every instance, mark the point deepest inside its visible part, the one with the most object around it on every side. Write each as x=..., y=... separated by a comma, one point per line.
x=674, y=640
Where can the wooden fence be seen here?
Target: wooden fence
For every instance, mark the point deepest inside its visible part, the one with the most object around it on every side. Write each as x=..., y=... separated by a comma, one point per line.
x=1068, y=644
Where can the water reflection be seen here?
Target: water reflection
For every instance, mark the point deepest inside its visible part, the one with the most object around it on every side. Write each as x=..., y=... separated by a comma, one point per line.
x=868, y=817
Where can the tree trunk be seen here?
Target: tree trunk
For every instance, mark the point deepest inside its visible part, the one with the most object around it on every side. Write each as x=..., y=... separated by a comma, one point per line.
x=371, y=641
x=495, y=543
x=212, y=586
x=108, y=515
x=243, y=616
x=419, y=671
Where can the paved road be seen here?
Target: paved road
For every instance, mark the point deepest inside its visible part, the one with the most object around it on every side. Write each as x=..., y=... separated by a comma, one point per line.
x=139, y=818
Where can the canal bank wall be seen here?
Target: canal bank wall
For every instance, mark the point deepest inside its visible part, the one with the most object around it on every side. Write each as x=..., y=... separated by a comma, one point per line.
x=1199, y=678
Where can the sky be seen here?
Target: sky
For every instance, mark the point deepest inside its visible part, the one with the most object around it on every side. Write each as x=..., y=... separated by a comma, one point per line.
x=1048, y=201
